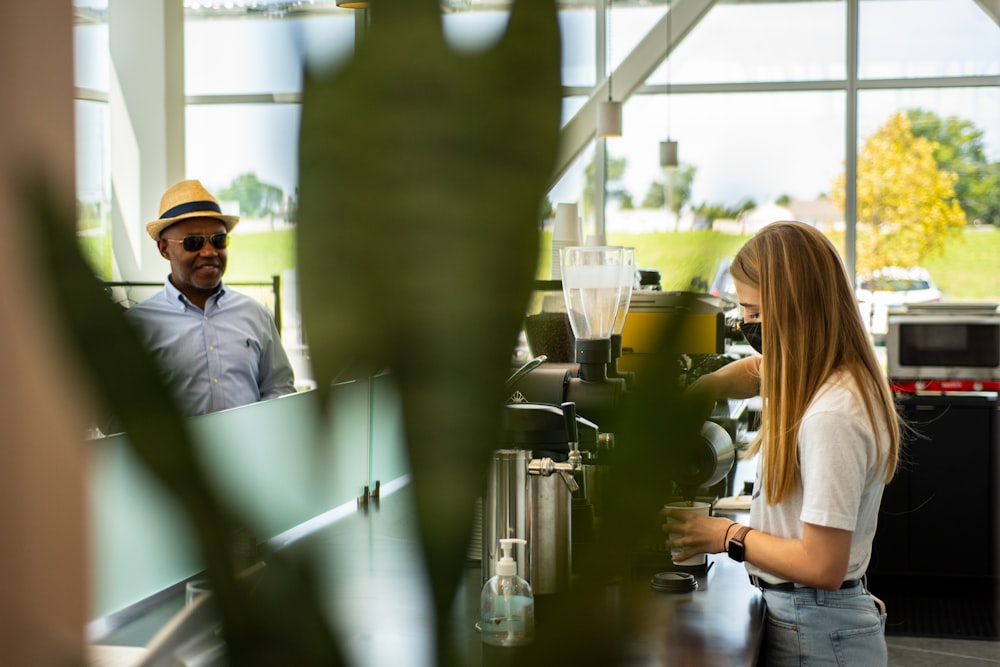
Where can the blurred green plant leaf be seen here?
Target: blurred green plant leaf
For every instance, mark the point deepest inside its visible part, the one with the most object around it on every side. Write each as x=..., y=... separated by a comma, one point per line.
x=421, y=176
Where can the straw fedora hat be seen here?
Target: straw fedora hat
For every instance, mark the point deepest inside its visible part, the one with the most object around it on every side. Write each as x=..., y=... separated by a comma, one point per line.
x=188, y=199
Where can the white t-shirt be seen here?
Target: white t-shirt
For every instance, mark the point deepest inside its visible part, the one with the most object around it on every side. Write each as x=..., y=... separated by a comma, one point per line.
x=840, y=475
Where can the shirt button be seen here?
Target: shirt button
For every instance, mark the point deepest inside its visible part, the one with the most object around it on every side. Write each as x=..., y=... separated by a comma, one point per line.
x=215, y=380
x=211, y=348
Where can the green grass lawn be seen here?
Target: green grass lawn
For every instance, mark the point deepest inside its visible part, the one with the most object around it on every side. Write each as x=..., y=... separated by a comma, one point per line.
x=968, y=268
x=257, y=257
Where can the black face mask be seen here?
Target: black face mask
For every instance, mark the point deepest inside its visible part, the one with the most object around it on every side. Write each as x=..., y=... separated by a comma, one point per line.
x=751, y=331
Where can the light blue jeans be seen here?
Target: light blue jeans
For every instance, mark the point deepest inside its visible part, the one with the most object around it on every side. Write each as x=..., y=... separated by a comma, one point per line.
x=815, y=627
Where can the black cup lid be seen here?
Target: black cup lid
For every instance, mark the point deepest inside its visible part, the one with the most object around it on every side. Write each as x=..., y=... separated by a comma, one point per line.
x=674, y=582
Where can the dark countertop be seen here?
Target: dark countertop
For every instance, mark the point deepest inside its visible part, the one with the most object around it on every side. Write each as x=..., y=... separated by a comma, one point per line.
x=372, y=582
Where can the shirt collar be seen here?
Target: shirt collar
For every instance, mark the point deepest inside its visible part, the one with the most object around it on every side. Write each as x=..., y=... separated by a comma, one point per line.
x=175, y=294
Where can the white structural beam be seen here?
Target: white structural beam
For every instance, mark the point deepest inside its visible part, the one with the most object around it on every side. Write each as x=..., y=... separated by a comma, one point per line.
x=146, y=108
x=992, y=9
x=629, y=77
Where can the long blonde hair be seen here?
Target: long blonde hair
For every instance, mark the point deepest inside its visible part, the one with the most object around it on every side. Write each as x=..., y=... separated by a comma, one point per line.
x=811, y=329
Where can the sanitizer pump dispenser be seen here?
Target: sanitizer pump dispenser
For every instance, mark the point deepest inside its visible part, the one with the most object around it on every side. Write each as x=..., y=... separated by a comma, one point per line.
x=507, y=605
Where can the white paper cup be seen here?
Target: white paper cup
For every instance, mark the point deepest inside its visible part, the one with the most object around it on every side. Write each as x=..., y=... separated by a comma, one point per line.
x=566, y=233
x=685, y=506
x=566, y=227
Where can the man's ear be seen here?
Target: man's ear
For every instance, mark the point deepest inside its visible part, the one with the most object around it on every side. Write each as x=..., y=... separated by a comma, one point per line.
x=161, y=245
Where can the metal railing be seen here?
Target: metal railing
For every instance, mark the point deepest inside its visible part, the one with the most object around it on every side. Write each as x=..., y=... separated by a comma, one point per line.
x=274, y=284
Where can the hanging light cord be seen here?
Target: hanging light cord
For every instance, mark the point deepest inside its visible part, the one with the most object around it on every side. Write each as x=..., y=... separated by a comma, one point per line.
x=607, y=45
x=670, y=39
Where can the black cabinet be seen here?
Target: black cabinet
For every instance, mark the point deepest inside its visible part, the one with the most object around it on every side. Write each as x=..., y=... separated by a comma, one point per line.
x=938, y=517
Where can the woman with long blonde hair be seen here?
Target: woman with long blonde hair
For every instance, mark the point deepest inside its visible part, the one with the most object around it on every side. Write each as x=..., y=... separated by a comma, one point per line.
x=829, y=441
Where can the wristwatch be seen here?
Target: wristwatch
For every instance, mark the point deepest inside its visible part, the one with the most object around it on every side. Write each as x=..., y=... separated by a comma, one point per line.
x=737, y=548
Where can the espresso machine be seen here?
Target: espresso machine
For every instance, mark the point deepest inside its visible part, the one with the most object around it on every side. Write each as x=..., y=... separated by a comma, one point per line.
x=597, y=292
x=545, y=483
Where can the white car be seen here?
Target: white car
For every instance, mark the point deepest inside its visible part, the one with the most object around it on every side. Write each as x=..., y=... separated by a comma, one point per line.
x=890, y=288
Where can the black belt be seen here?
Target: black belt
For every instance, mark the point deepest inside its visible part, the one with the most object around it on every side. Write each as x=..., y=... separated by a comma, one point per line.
x=789, y=586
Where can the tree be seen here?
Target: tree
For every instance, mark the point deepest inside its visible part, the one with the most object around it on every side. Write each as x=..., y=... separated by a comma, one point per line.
x=713, y=212
x=615, y=189
x=257, y=199
x=545, y=210
x=960, y=150
x=680, y=179
x=906, y=202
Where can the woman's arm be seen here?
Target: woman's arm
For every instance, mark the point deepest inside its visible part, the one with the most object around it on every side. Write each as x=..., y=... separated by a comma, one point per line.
x=739, y=379
x=818, y=559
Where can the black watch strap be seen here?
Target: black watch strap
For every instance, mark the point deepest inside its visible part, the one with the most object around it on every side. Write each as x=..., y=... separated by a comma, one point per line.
x=737, y=548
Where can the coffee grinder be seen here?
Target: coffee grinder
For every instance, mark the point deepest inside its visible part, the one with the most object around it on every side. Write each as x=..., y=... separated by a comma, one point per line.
x=596, y=285
x=628, y=277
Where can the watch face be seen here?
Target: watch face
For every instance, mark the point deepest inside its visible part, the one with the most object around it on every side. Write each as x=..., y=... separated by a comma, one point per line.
x=736, y=548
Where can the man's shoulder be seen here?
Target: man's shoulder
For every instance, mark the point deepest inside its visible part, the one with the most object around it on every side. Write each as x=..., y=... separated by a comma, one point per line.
x=157, y=301
x=234, y=299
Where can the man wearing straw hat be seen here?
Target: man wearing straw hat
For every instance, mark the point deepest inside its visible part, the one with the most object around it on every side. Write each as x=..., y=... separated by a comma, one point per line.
x=218, y=348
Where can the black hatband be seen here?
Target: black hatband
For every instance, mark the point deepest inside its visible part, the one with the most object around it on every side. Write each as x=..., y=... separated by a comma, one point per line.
x=191, y=207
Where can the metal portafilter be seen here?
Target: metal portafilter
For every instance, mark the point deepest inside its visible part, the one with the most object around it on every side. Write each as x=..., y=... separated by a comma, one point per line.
x=703, y=461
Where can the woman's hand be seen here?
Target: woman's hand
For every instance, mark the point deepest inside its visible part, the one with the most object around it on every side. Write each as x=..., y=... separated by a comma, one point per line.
x=694, y=533
x=740, y=379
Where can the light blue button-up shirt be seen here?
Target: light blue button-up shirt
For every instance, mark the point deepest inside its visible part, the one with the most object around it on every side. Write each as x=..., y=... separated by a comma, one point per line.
x=228, y=355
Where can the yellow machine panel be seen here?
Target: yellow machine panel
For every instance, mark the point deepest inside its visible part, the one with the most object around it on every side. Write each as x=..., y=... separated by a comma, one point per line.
x=672, y=322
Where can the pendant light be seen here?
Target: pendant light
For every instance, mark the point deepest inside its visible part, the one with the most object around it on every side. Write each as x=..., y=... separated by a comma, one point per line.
x=668, y=148
x=609, y=119
x=609, y=112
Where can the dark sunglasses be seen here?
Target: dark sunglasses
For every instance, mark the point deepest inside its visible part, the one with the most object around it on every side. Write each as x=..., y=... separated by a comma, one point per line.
x=196, y=242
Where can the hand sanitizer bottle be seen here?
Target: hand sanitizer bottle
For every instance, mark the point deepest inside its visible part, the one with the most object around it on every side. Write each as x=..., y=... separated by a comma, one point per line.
x=507, y=604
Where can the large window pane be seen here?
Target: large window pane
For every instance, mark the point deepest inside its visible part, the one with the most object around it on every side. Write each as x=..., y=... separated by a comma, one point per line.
x=472, y=31
x=926, y=38
x=91, y=56
x=775, y=153
x=248, y=56
x=753, y=42
x=227, y=141
x=969, y=147
x=755, y=146
x=579, y=51
x=93, y=184
x=626, y=27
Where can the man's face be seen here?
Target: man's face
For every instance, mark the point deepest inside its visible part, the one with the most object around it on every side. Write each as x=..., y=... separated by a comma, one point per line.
x=200, y=271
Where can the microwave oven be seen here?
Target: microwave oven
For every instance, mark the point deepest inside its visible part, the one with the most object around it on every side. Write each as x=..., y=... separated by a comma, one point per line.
x=944, y=341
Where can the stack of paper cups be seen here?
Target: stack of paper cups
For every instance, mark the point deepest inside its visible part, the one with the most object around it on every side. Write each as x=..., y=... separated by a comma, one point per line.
x=565, y=233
